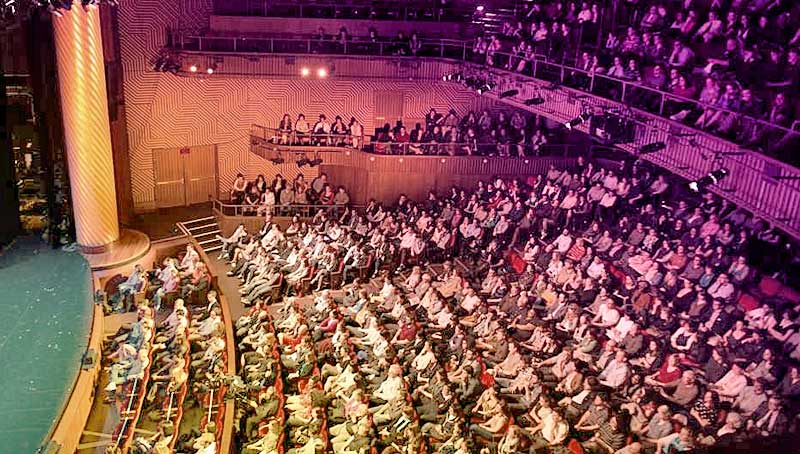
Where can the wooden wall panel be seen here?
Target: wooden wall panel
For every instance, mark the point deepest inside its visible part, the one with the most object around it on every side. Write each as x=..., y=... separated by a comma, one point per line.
x=309, y=26
x=168, y=111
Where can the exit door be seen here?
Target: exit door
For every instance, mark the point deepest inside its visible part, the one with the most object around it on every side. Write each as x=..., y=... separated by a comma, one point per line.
x=185, y=176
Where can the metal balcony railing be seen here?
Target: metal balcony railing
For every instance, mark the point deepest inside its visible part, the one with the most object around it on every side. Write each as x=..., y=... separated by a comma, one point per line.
x=636, y=94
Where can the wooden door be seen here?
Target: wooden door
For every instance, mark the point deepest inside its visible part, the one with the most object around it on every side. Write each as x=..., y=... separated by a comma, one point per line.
x=201, y=174
x=169, y=178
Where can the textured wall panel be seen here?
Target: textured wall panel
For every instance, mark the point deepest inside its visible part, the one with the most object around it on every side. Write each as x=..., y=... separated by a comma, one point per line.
x=168, y=111
x=87, y=136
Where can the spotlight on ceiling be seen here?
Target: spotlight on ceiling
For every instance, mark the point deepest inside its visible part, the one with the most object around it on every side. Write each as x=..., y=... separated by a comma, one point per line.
x=652, y=147
x=322, y=73
x=582, y=118
x=480, y=8
x=712, y=178
x=534, y=101
x=193, y=68
x=304, y=72
x=508, y=94
x=210, y=70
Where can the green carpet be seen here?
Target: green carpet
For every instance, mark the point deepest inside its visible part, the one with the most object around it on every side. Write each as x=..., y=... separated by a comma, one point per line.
x=45, y=316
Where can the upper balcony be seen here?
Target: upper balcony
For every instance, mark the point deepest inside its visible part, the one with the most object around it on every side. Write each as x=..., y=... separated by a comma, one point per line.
x=560, y=92
x=412, y=11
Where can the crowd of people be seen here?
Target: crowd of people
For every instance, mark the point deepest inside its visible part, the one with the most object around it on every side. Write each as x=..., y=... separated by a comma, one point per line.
x=165, y=359
x=724, y=63
x=321, y=133
x=581, y=309
x=261, y=197
x=475, y=134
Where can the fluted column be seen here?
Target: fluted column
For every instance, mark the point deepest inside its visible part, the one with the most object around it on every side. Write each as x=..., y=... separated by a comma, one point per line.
x=87, y=137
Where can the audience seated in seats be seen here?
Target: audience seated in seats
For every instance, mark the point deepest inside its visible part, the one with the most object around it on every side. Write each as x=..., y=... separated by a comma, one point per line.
x=464, y=352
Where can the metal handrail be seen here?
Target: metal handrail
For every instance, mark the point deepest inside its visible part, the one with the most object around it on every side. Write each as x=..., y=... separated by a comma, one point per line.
x=262, y=135
x=291, y=137
x=304, y=211
x=538, y=66
x=421, y=11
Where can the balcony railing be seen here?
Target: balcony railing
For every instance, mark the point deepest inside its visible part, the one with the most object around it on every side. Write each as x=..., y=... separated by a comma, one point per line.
x=635, y=94
x=228, y=208
x=411, y=11
x=265, y=136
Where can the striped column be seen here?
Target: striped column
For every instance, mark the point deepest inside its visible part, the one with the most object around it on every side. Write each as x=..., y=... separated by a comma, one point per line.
x=87, y=136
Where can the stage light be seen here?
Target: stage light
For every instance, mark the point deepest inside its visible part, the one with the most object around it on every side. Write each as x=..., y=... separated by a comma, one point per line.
x=453, y=77
x=712, y=178
x=210, y=70
x=486, y=87
x=582, y=118
x=534, y=101
x=304, y=72
x=193, y=68
x=322, y=73
x=508, y=94
x=652, y=147
x=479, y=8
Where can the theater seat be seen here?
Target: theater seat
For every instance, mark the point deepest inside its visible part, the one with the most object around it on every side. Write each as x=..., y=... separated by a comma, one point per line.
x=747, y=302
x=769, y=286
x=575, y=447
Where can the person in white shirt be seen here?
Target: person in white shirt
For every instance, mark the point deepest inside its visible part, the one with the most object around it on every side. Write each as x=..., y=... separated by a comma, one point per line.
x=731, y=384
x=551, y=431
x=721, y=288
x=393, y=387
x=563, y=242
x=471, y=300
x=607, y=315
x=615, y=372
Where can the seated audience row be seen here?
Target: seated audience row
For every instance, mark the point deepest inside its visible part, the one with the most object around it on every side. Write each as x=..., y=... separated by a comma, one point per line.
x=574, y=307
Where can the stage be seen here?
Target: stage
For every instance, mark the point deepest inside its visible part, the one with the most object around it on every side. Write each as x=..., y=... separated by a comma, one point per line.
x=45, y=318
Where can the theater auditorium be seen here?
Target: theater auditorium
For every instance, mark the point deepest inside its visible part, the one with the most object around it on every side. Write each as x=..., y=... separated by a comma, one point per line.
x=400, y=227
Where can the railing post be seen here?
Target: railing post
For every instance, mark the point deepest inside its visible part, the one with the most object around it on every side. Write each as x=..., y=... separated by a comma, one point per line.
x=308, y=42
x=463, y=51
x=591, y=83
x=235, y=40
x=441, y=48
x=661, y=107
x=272, y=45
x=200, y=43
x=624, y=89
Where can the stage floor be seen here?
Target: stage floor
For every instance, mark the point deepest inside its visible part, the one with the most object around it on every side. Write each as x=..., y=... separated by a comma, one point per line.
x=45, y=318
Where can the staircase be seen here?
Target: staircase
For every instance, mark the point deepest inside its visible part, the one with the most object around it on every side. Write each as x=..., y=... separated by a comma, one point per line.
x=204, y=231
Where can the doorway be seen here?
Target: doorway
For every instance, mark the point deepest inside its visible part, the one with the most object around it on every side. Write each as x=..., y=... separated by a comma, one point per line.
x=185, y=176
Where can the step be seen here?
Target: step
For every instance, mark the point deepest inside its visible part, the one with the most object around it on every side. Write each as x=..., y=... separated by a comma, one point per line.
x=212, y=240
x=206, y=233
x=212, y=249
x=194, y=221
x=201, y=227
